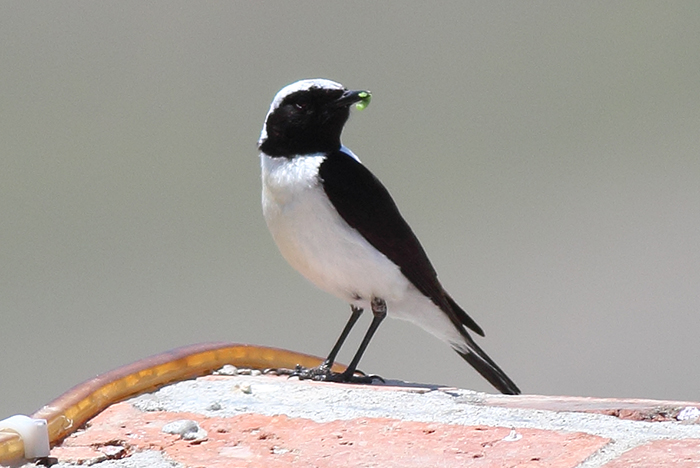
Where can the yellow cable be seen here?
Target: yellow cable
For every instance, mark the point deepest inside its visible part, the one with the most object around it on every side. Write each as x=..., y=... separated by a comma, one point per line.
x=72, y=409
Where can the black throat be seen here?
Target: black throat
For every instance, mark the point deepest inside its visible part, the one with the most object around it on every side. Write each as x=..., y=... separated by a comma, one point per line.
x=307, y=122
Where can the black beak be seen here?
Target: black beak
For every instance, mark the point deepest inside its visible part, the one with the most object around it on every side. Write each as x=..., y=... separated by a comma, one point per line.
x=351, y=97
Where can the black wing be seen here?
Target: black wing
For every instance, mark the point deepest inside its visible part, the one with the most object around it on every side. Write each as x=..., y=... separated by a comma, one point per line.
x=364, y=203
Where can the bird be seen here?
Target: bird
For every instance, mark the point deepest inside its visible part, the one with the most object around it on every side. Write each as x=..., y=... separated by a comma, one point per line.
x=337, y=225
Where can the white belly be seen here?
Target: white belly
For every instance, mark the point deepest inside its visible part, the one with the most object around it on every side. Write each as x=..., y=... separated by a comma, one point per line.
x=317, y=242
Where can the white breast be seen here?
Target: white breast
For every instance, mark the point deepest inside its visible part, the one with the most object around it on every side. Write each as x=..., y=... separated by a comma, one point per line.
x=317, y=242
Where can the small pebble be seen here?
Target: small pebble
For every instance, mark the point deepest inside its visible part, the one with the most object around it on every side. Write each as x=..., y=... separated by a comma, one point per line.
x=244, y=387
x=113, y=451
x=689, y=412
x=185, y=428
x=513, y=436
x=215, y=406
x=228, y=369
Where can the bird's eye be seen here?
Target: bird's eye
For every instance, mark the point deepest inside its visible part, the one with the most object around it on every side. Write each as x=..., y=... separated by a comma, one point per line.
x=301, y=105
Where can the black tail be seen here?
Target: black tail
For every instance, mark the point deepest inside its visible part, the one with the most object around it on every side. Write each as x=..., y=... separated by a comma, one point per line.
x=474, y=355
x=488, y=369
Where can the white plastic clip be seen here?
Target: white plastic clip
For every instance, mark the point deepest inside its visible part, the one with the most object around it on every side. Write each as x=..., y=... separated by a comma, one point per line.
x=34, y=434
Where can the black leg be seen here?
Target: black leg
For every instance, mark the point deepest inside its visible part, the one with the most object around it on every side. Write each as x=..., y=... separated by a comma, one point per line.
x=354, y=316
x=379, y=311
x=323, y=372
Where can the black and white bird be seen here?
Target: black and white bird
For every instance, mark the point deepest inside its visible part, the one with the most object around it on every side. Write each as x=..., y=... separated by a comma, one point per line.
x=336, y=224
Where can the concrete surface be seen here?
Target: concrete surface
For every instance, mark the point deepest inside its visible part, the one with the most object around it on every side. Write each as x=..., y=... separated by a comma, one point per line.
x=256, y=420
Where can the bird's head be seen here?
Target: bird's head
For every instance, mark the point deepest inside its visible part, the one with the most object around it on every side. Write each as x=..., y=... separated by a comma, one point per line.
x=307, y=117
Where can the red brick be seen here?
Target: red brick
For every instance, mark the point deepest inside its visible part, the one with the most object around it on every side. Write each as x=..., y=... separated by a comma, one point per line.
x=253, y=440
x=675, y=453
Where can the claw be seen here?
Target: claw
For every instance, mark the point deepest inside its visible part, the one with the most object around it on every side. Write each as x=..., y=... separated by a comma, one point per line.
x=324, y=374
x=375, y=376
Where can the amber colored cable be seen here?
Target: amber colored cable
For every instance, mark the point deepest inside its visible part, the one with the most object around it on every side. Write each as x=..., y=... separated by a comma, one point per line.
x=72, y=409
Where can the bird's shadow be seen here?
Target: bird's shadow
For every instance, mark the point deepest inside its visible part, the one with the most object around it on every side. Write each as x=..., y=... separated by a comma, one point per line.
x=418, y=386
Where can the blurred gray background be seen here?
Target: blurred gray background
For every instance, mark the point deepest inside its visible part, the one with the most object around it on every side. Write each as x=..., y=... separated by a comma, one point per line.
x=547, y=154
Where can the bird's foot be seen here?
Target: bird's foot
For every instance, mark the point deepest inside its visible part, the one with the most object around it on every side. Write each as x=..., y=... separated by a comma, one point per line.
x=323, y=373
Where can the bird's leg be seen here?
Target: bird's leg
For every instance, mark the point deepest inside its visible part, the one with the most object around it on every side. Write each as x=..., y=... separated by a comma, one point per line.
x=324, y=373
x=354, y=316
x=379, y=311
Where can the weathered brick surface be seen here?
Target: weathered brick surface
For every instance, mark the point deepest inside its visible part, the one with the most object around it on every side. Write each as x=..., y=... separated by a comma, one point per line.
x=380, y=426
x=630, y=409
x=252, y=440
x=661, y=453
